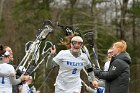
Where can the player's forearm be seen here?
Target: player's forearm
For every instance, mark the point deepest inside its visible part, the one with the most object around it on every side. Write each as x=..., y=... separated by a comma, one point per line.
x=51, y=62
x=90, y=72
x=15, y=81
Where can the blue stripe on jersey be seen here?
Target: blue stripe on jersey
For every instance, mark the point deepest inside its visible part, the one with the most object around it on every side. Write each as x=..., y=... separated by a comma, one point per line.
x=74, y=63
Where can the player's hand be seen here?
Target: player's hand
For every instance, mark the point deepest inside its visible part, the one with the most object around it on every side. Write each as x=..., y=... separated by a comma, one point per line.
x=95, y=84
x=24, y=77
x=53, y=50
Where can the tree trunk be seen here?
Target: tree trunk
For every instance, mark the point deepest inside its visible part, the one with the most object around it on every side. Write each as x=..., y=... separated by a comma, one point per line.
x=116, y=19
x=72, y=4
x=1, y=9
x=122, y=20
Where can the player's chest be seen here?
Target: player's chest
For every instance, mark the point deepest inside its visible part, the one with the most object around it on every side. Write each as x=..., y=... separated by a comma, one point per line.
x=72, y=62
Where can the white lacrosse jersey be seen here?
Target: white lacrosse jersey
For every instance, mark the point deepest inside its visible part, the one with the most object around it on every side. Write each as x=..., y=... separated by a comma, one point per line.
x=106, y=65
x=5, y=84
x=68, y=79
x=25, y=88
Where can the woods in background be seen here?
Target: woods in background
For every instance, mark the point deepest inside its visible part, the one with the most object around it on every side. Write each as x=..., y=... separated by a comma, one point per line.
x=109, y=20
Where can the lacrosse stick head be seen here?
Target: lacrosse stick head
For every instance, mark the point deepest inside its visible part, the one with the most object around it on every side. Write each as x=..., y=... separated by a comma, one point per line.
x=89, y=38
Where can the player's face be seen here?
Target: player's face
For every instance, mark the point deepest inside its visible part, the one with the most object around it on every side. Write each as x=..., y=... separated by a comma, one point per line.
x=11, y=53
x=76, y=46
x=110, y=53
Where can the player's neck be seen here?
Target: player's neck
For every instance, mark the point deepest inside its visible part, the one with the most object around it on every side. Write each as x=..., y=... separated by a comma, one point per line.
x=75, y=54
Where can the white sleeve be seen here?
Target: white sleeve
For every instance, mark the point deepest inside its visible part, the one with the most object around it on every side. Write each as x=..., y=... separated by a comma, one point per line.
x=15, y=81
x=88, y=66
x=7, y=70
x=12, y=75
x=87, y=60
x=25, y=89
x=2, y=74
x=12, y=71
x=58, y=58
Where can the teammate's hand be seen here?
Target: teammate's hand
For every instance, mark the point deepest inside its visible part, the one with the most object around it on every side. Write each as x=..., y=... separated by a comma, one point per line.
x=95, y=84
x=24, y=77
x=53, y=50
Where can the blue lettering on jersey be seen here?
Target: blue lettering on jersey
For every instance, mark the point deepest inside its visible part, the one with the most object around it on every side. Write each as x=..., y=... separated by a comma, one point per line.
x=74, y=63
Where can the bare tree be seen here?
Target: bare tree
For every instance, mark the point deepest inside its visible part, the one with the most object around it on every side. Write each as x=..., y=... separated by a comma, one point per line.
x=72, y=4
x=122, y=19
x=1, y=9
x=134, y=26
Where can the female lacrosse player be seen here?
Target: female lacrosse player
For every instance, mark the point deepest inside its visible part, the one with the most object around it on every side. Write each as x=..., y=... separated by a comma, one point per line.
x=71, y=62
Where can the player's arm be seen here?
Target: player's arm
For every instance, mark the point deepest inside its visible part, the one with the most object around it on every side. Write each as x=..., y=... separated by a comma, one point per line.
x=91, y=76
x=90, y=72
x=2, y=74
x=51, y=62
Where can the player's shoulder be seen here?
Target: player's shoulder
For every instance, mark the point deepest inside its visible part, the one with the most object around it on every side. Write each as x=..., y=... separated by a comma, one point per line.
x=83, y=54
x=8, y=65
x=64, y=51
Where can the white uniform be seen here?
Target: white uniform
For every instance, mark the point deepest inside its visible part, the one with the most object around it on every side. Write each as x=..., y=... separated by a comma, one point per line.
x=106, y=65
x=68, y=79
x=25, y=88
x=5, y=84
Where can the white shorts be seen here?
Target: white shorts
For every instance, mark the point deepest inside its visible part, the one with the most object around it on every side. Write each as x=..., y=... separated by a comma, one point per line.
x=71, y=90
